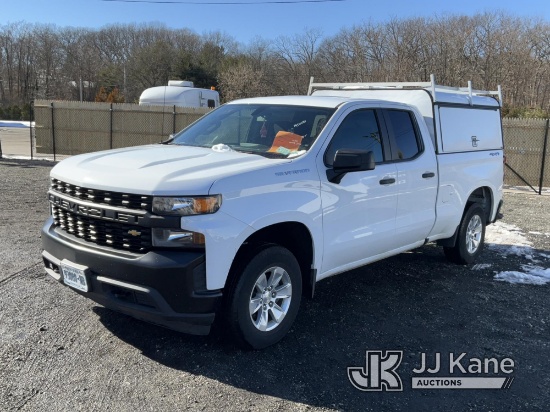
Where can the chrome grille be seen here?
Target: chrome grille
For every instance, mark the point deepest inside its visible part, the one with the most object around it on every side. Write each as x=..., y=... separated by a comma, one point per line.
x=101, y=232
x=118, y=199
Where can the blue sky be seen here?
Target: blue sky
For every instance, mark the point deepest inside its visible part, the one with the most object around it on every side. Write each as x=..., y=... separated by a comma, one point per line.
x=243, y=22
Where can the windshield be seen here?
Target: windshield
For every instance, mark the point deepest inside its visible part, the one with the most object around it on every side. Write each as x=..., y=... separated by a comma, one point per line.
x=268, y=130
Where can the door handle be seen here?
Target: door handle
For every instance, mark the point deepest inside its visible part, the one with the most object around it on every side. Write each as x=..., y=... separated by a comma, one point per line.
x=427, y=175
x=387, y=181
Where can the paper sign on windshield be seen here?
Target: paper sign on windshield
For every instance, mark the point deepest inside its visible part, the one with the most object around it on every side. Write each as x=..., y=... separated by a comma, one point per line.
x=286, y=142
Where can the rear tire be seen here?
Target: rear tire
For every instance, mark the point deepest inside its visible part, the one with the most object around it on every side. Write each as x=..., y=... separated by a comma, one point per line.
x=470, y=239
x=264, y=298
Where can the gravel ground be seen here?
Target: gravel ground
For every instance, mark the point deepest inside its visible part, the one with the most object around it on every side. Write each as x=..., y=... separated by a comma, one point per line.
x=59, y=351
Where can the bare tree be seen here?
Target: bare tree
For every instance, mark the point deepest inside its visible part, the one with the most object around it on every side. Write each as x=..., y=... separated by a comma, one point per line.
x=44, y=61
x=242, y=80
x=296, y=59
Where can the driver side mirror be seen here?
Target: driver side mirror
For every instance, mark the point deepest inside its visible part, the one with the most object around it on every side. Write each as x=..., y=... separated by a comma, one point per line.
x=350, y=160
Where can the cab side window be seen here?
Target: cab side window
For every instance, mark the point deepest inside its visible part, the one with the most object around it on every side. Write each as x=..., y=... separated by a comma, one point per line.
x=359, y=130
x=405, y=139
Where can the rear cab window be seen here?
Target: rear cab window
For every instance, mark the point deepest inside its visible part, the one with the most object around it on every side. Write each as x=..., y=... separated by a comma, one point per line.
x=404, y=135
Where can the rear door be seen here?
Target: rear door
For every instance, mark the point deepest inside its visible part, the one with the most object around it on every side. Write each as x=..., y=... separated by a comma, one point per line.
x=417, y=178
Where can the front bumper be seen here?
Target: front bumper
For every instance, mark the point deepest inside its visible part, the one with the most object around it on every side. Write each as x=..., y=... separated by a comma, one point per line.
x=164, y=287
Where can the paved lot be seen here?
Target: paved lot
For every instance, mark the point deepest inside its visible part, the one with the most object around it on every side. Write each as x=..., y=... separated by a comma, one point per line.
x=59, y=351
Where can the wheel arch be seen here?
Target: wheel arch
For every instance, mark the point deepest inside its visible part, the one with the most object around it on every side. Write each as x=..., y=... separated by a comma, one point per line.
x=294, y=236
x=484, y=196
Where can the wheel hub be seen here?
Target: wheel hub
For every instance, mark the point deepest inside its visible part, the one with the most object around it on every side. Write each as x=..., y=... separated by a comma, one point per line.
x=473, y=234
x=270, y=298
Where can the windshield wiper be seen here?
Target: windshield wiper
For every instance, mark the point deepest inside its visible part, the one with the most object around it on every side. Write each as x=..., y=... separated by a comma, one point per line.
x=169, y=140
x=269, y=155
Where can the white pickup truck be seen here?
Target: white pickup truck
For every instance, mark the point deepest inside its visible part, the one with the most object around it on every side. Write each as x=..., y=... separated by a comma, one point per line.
x=240, y=214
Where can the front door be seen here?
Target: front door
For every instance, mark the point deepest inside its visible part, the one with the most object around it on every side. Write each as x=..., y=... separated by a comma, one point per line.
x=359, y=212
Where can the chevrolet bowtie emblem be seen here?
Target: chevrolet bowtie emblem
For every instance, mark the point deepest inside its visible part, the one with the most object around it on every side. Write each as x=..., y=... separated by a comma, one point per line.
x=134, y=232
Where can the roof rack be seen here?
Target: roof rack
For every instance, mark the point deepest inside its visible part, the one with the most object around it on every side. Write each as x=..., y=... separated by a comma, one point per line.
x=430, y=86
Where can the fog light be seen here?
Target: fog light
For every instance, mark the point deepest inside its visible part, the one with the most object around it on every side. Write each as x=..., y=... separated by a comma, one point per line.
x=177, y=238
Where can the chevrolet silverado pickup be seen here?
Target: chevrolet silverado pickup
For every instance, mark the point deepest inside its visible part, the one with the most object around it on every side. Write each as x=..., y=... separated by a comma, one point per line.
x=236, y=217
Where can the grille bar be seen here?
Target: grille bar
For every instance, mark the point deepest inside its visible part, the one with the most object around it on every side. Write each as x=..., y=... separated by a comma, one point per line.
x=118, y=199
x=101, y=232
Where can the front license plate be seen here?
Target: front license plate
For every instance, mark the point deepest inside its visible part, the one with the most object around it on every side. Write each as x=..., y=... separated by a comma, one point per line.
x=74, y=275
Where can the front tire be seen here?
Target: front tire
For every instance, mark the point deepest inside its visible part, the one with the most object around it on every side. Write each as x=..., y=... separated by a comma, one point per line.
x=264, y=300
x=470, y=239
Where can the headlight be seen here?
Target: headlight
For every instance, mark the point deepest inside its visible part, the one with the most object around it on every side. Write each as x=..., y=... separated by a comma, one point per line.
x=177, y=238
x=185, y=206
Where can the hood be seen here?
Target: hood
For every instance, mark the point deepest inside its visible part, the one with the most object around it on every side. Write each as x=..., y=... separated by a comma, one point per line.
x=157, y=169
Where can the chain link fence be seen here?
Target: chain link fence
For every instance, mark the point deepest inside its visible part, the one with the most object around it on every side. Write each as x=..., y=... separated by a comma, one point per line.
x=526, y=150
x=69, y=128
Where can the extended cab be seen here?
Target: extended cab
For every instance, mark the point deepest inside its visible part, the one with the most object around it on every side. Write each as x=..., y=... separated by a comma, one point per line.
x=241, y=213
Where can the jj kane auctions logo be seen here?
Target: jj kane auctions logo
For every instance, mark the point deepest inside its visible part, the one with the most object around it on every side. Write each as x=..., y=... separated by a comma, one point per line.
x=455, y=371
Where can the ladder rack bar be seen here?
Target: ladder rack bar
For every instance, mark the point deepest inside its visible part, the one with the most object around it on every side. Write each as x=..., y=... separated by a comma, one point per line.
x=310, y=88
x=432, y=81
x=431, y=86
x=338, y=86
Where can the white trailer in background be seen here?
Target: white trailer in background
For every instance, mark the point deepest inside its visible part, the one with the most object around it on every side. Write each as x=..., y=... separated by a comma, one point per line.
x=180, y=93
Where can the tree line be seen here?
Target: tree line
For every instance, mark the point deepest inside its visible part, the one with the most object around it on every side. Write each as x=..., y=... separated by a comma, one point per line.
x=50, y=62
